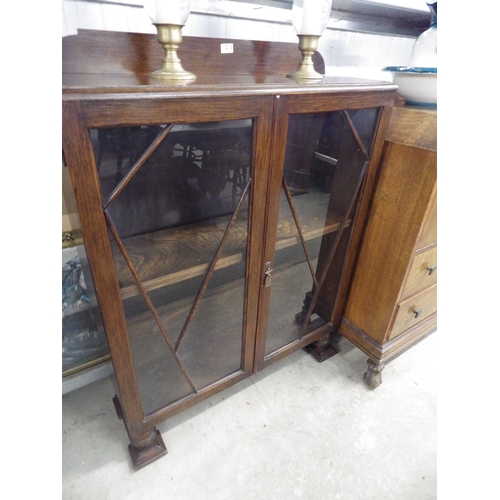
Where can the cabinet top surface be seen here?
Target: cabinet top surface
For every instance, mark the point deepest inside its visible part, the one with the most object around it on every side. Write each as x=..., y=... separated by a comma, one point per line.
x=99, y=63
x=211, y=84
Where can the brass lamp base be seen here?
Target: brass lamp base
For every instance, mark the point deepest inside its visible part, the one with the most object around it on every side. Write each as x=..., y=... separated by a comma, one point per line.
x=170, y=37
x=308, y=44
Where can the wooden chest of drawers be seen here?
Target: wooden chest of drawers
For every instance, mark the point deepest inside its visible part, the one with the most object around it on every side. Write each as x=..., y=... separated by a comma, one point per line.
x=392, y=301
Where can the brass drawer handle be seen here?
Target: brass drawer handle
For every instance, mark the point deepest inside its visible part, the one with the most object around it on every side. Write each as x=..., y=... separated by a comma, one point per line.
x=417, y=313
x=431, y=270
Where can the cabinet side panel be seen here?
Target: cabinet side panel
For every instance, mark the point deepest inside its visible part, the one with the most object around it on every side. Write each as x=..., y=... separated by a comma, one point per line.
x=399, y=205
x=428, y=233
x=78, y=153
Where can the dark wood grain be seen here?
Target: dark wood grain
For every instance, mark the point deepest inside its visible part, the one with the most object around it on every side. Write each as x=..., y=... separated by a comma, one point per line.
x=106, y=52
x=79, y=157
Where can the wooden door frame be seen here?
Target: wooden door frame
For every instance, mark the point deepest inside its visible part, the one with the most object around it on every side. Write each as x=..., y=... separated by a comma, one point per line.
x=284, y=106
x=80, y=115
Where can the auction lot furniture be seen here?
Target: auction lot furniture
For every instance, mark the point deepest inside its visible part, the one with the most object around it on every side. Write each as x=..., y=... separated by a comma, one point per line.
x=393, y=298
x=220, y=218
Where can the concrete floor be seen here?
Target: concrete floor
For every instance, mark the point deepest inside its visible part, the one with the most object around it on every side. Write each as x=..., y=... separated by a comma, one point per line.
x=297, y=430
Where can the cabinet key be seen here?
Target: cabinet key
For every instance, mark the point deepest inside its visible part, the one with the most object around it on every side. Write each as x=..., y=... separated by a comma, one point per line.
x=417, y=312
x=267, y=275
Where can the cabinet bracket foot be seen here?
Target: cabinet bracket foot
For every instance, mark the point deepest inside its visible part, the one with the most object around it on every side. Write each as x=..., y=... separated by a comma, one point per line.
x=144, y=452
x=321, y=350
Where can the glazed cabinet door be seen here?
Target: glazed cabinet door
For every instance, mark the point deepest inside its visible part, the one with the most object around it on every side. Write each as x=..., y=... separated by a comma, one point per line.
x=169, y=192
x=322, y=150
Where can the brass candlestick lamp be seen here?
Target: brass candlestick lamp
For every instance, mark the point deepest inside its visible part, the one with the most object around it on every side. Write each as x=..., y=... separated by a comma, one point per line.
x=310, y=18
x=169, y=16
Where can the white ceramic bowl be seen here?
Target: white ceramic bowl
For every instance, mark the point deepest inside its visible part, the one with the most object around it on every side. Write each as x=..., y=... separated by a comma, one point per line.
x=417, y=85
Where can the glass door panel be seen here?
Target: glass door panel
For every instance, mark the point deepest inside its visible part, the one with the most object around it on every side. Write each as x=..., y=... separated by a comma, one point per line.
x=325, y=162
x=176, y=200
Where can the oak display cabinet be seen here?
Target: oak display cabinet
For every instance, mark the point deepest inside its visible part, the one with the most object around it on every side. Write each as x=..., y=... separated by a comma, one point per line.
x=220, y=219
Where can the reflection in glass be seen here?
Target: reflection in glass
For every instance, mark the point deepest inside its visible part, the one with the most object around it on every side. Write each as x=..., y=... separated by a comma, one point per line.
x=83, y=339
x=176, y=200
x=325, y=162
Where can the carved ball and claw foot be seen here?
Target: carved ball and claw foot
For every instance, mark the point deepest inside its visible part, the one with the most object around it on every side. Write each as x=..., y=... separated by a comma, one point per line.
x=373, y=375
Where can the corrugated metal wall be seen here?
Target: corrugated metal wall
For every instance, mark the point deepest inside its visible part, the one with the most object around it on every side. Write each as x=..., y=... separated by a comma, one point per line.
x=343, y=51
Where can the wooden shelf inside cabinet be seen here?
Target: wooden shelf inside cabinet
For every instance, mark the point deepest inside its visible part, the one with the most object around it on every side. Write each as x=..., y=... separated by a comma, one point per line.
x=166, y=257
x=392, y=299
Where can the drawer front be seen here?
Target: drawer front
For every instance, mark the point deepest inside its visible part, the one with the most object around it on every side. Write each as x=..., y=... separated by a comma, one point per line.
x=422, y=275
x=415, y=309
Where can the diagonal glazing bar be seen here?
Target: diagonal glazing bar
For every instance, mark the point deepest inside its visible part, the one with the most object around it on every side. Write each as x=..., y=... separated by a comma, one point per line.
x=299, y=230
x=148, y=300
x=210, y=271
x=140, y=162
x=355, y=134
x=333, y=249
